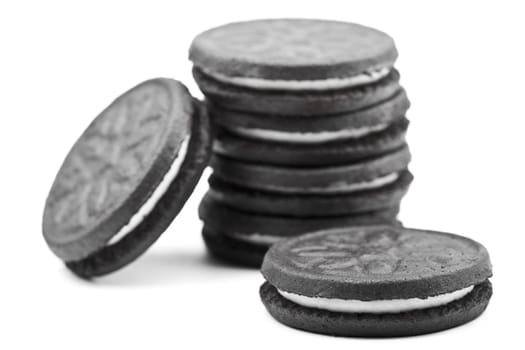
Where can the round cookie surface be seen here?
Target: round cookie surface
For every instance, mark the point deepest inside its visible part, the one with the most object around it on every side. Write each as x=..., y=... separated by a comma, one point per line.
x=151, y=141
x=292, y=49
x=378, y=281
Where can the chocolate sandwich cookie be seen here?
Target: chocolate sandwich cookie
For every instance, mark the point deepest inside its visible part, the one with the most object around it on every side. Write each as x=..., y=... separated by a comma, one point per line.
x=314, y=129
x=376, y=281
x=303, y=52
x=295, y=66
x=309, y=205
x=228, y=229
x=298, y=102
x=346, y=178
x=127, y=177
x=351, y=150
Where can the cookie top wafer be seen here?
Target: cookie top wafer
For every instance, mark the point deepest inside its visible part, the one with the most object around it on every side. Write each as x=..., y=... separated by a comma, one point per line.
x=373, y=263
x=120, y=167
x=292, y=49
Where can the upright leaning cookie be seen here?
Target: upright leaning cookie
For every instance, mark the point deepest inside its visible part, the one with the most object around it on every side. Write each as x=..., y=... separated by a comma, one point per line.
x=376, y=281
x=127, y=177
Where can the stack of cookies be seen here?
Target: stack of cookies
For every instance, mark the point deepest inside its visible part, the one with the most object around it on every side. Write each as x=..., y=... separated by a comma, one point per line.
x=310, y=131
x=309, y=122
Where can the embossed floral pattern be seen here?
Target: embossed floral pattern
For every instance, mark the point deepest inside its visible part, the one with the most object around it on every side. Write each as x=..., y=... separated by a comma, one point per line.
x=383, y=251
x=297, y=41
x=109, y=159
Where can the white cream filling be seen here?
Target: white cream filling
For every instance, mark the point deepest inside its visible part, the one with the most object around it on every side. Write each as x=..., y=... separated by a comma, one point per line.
x=257, y=238
x=308, y=137
x=365, y=185
x=346, y=187
x=150, y=203
x=375, y=306
x=367, y=77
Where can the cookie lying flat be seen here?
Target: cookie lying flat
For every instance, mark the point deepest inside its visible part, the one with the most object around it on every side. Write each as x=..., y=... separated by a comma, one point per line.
x=314, y=129
x=311, y=154
x=346, y=178
x=127, y=177
x=294, y=53
x=301, y=102
x=376, y=281
x=267, y=229
x=309, y=205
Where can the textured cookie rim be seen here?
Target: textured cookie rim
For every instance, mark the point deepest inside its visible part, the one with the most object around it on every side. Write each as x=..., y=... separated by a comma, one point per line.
x=310, y=205
x=223, y=218
x=297, y=180
x=305, y=103
x=333, y=153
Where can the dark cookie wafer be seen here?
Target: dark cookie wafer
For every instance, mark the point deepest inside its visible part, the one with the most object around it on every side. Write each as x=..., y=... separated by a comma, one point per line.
x=309, y=205
x=130, y=151
x=222, y=218
x=376, y=281
x=410, y=323
x=384, y=112
x=233, y=251
x=329, y=179
x=311, y=154
x=293, y=49
x=300, y=102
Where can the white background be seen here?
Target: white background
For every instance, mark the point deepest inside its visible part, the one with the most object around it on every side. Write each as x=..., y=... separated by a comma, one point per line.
x=61, y=64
